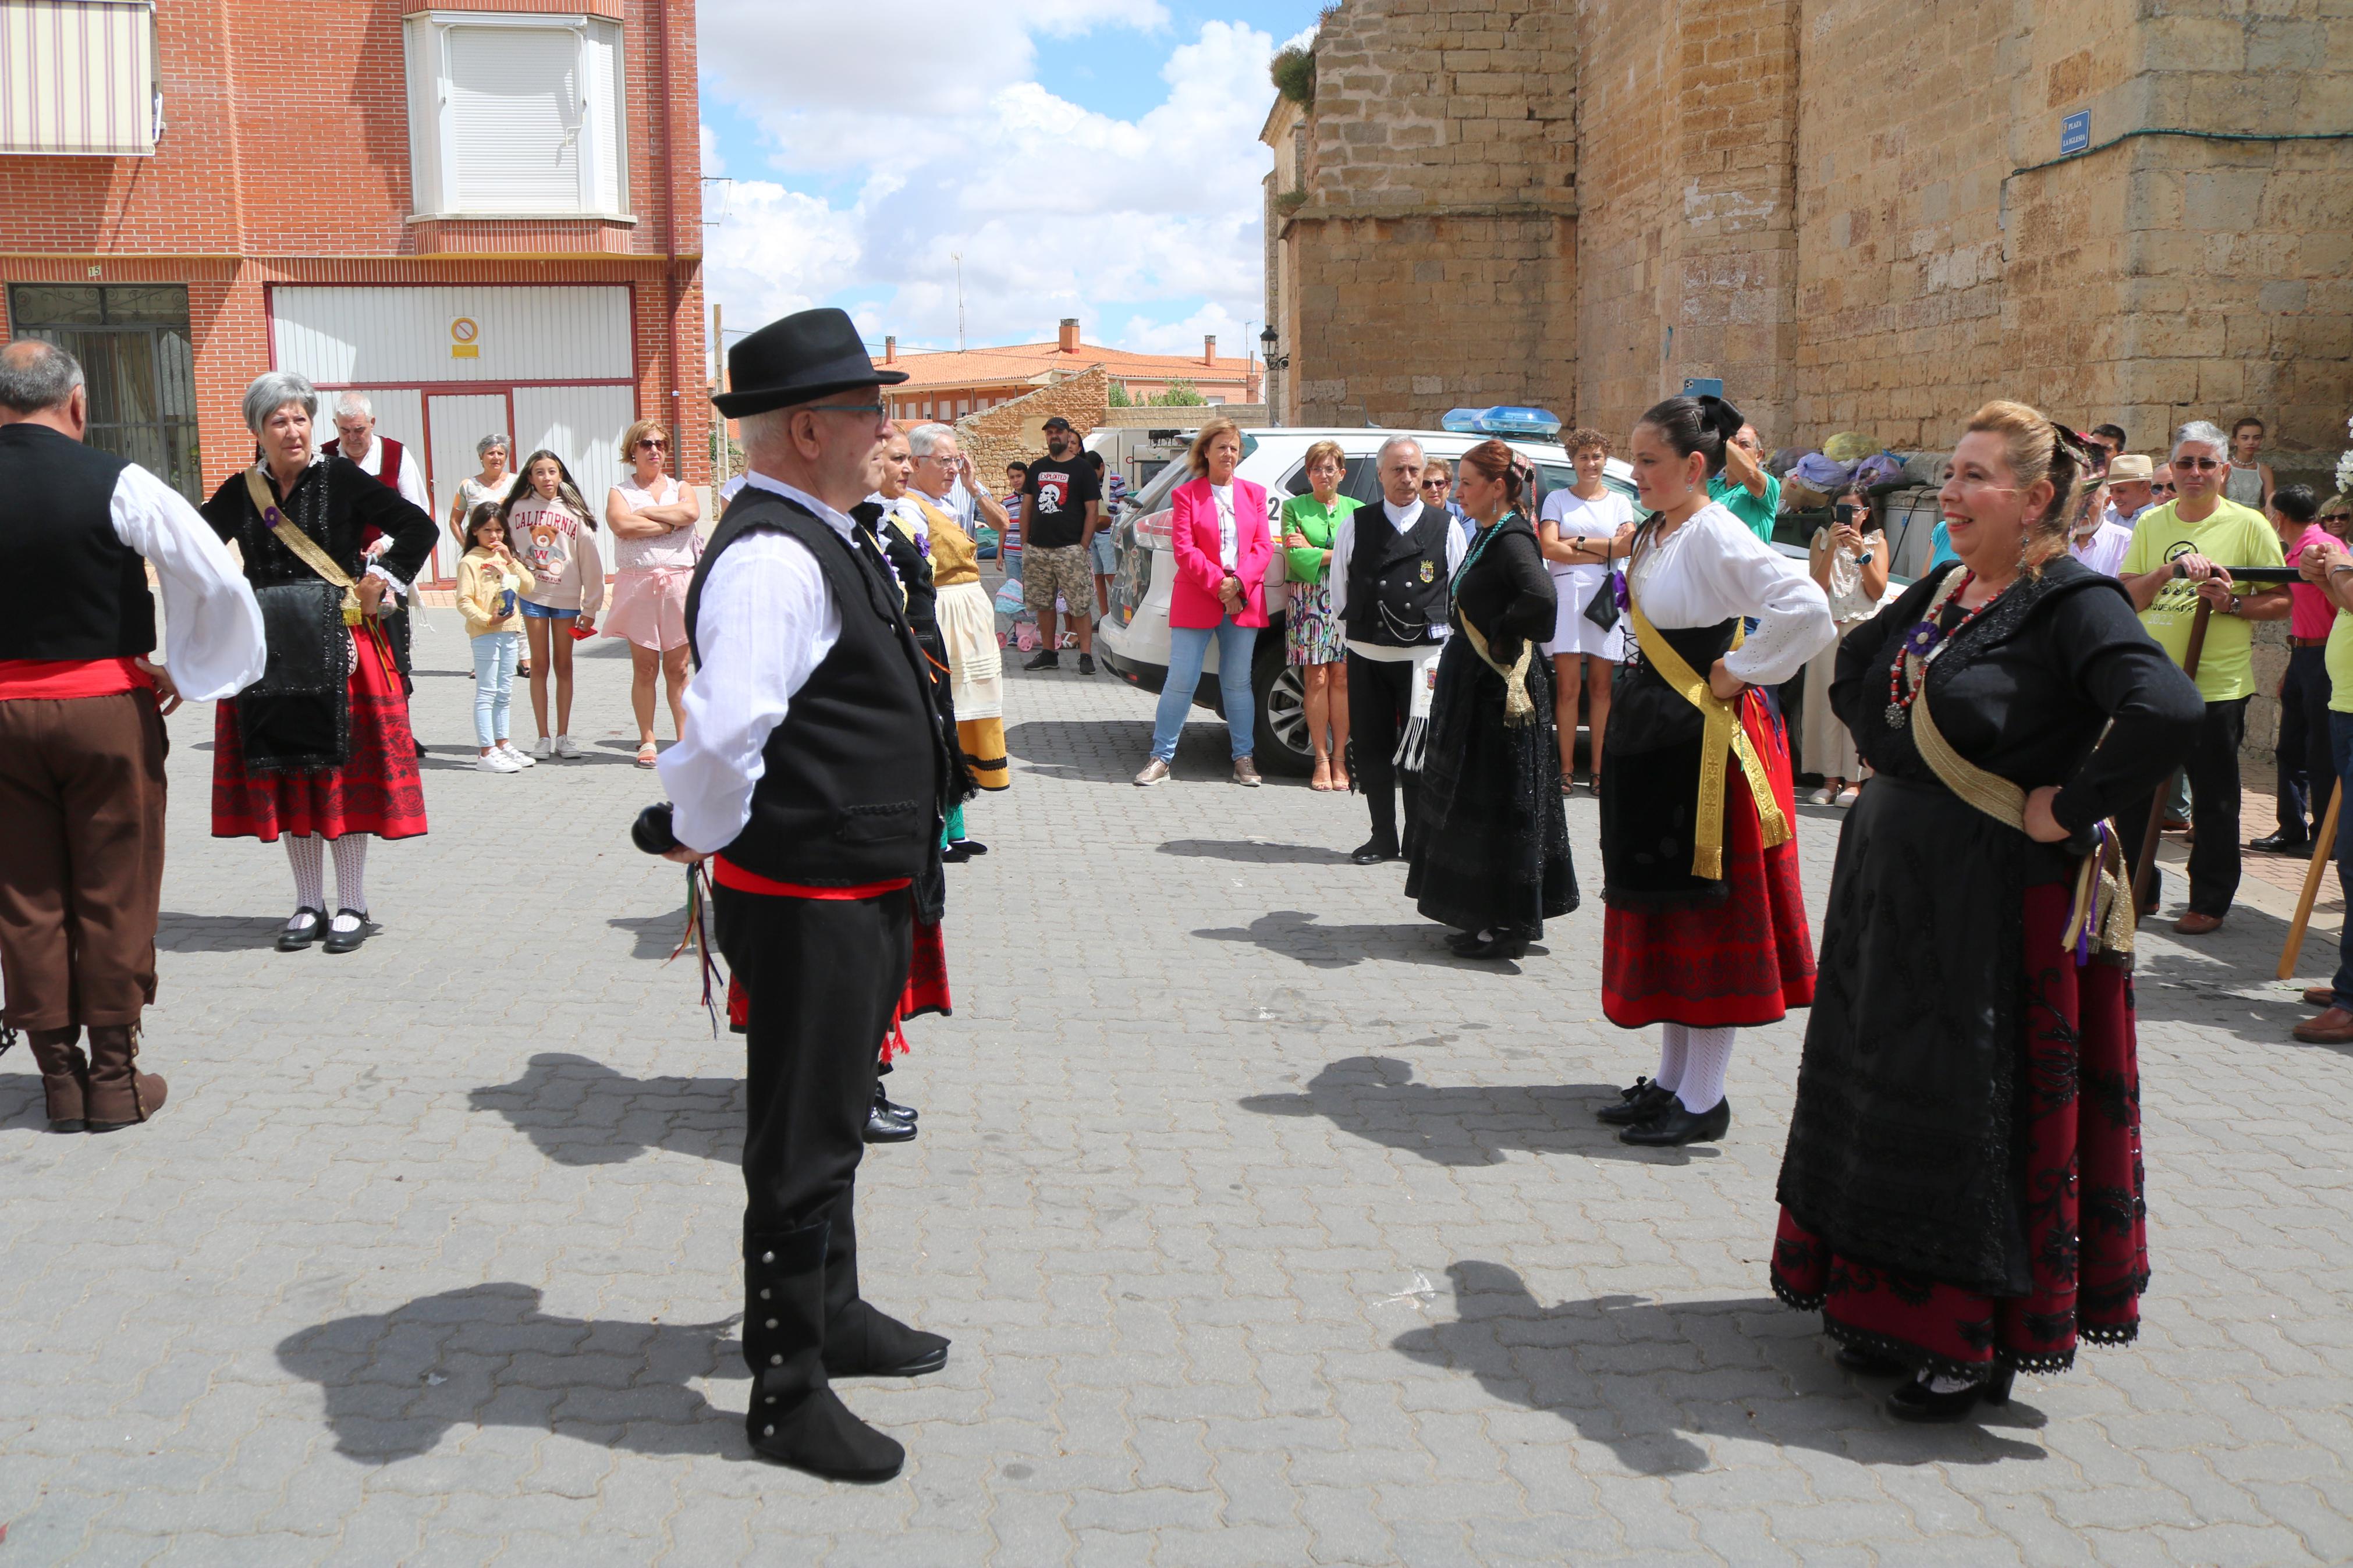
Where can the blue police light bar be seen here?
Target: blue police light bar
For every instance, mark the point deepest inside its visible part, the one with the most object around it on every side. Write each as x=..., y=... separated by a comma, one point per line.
x=1529, y=424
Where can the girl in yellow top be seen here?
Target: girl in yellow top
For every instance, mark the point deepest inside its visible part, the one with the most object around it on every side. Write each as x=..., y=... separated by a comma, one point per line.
x=490, y=580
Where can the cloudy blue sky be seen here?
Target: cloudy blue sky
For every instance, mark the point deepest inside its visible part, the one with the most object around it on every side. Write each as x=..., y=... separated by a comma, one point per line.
x=1089, y=158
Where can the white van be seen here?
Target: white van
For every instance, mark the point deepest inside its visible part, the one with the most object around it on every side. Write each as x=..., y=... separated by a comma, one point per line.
x=1133, y=641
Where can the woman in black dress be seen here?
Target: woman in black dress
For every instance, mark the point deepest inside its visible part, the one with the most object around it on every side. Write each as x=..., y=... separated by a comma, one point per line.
x=1962, y=1193
x=1493, y=853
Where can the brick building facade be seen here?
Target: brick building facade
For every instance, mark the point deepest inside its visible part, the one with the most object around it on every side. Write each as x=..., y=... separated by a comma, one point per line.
x=487, y=218
x=1855, y=211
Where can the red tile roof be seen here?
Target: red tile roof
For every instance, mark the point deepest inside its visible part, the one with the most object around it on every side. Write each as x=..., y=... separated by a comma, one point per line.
x=1029, y=364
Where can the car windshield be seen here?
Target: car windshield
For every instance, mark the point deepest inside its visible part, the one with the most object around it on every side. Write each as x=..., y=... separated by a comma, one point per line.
x=1153, y=497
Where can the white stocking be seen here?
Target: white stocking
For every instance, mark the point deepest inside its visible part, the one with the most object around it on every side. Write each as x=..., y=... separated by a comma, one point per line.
x=1673, y=1053
x=351, y=879
x=309, y=867
x=1702, y=1088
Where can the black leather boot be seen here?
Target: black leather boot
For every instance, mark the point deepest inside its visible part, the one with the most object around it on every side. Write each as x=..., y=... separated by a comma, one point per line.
x=860, y=1339
x=65, y=1076
x=796, y=1417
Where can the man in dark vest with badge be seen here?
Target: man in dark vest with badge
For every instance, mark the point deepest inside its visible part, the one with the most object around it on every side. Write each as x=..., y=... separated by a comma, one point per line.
x=812, y=775
x=82, y=703
x=1391, y=569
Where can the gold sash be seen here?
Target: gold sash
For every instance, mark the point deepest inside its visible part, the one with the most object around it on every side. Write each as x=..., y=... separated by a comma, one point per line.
x=2100, y=907
x=1722, y=735
x=306, y=548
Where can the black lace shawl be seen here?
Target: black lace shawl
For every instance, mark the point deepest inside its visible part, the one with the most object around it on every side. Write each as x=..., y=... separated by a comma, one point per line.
x=1904, y=1147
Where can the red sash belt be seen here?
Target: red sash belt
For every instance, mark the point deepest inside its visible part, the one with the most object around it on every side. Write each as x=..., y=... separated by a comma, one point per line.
x=727, y=874
x=53, y=678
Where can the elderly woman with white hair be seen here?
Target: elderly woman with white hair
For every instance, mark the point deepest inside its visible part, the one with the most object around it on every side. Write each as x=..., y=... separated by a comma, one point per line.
x=320, y=748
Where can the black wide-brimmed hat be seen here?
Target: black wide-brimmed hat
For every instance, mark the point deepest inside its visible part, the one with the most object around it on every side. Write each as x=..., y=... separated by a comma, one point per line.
x=804, y=356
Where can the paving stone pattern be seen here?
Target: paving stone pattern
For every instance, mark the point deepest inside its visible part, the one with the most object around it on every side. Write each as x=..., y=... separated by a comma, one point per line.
x=1267, y=1232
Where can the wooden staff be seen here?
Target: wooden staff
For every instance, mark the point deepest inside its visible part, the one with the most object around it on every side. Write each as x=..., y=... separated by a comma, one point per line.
x=2146, y=874
x=2324, y=850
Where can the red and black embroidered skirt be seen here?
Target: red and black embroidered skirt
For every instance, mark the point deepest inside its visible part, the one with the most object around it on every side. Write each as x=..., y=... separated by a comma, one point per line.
x=2080, y=1205
x=376, y=791
x=1747, y=959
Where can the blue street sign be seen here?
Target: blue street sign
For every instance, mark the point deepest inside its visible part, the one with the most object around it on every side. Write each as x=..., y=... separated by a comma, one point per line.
x=2075, y=132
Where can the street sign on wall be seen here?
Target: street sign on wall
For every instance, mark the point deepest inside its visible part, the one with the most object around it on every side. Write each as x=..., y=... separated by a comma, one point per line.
x=2075, y=132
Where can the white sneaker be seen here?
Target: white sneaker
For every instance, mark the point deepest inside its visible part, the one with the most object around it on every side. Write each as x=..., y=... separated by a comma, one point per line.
x=520, y=759
x=496, y=762
x=566, y=749
x=544, y=749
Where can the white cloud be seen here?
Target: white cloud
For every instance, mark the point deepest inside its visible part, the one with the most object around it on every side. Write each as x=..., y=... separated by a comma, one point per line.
x=1054, y=207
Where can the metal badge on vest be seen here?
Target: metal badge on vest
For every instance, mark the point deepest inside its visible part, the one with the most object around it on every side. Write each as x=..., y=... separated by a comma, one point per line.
x=1397, y=588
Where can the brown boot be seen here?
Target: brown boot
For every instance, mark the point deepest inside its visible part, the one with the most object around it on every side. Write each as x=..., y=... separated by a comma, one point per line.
x=65, y=1076
x=120, y=1094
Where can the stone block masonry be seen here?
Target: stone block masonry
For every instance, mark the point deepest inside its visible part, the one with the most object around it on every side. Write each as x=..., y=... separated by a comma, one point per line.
x=1853, y=212
x=1014, y=431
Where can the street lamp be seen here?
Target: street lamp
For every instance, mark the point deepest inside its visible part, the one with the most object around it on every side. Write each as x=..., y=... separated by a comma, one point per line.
x=1275, y=364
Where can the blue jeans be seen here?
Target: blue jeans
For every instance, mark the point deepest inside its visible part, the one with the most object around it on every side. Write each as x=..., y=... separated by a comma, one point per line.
x=1188, y=650
x=494, y=666
x=2340, y=746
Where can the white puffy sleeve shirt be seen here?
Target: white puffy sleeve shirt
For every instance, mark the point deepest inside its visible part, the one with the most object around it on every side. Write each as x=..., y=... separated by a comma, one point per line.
x=764, y=622
x=213, y=643
x=1712, y=569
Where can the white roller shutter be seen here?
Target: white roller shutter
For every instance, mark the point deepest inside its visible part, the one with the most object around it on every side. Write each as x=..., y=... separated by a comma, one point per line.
x=600, y=54
x=515, y=118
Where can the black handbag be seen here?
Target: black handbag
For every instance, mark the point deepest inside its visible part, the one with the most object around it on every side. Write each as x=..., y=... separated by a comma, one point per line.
x=298, y=714
x=1602, y=608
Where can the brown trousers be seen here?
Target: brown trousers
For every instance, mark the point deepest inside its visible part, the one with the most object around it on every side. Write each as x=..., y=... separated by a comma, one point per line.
x=81, y=857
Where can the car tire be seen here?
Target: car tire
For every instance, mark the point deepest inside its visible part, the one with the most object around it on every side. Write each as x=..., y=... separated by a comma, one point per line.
x=1280, y=701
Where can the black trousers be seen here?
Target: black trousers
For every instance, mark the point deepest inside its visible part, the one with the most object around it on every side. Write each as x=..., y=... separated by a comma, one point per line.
x=822, y=977
x=1380, y=701
x=2306, y=770
x=2212, y=767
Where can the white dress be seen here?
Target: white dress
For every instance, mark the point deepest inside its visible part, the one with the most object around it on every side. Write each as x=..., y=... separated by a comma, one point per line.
x=1577, y=582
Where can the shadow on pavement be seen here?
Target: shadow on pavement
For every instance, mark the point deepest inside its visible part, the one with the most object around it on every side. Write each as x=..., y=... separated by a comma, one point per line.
x=1376, y=1098
x=1254, y=853
x=1099, y=752
x=657, y=935
x=1293, y=933
x=577, y=1111
x=396, y=1382
x=21, y=1100
x=178, y=932
x=1637, y=1375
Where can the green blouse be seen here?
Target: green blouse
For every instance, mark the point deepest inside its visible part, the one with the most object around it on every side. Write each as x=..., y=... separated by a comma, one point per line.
x=1307, y=515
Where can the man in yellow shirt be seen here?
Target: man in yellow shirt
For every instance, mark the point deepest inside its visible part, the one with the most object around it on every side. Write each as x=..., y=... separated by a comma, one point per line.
x=2182, y=552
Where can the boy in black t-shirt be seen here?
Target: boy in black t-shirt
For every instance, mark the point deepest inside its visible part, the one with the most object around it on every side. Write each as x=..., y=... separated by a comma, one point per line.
x=1064, y=508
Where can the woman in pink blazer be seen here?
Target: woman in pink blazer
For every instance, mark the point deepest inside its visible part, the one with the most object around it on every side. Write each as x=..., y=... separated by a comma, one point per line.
x=1223, y=546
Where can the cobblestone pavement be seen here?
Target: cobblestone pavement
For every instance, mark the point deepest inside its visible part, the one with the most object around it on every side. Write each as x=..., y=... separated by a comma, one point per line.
x=1268, y=1233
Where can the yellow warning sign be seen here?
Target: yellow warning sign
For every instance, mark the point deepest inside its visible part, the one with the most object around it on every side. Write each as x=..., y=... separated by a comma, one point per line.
x=463, y=333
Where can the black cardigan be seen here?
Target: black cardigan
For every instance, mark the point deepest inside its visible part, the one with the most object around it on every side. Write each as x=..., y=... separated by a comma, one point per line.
x=1507, y=592
x=336, y=503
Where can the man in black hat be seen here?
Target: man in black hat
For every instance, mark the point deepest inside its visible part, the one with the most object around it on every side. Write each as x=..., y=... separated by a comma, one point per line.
x=812, y=775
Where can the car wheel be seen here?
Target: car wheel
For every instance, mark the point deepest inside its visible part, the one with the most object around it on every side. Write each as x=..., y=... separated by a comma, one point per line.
x=1282, y=701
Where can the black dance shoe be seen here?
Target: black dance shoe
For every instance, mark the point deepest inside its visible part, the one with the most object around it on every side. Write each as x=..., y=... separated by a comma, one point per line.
x=971, y=847
x=952, y=854
x=1636, y=1105
x=303, y=932
x=881, y=1127
x=866, y=1341
x=890, y=1106
x=1497, y=946
x=1862, y=1363
x=345, y=940
x=1674, y=1126
x=1374, y=851
x=1914, y=1402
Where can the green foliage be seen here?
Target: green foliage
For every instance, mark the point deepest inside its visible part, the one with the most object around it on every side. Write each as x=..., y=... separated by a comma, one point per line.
x=1294, y=73
x=1119, y=398
x=1181, y=393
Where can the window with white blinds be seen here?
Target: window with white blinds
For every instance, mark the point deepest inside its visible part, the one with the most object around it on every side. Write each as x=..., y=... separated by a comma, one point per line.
x=78, y=76
x=516, y=116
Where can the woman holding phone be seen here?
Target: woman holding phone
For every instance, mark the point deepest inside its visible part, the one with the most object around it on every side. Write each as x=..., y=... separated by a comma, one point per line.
x=1848, y=562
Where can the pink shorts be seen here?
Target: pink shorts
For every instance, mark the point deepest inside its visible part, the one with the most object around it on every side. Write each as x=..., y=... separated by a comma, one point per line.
x=648, y=606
